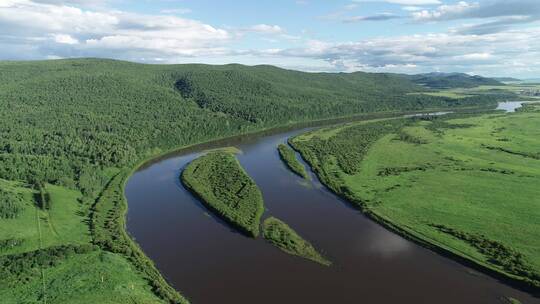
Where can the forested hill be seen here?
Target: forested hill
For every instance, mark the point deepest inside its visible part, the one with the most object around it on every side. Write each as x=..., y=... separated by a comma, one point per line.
x=58, y=117
x=451, y=80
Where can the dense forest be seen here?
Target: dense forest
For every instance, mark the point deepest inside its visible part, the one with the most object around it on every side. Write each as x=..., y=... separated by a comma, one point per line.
x=63, y=119
x=82, y=124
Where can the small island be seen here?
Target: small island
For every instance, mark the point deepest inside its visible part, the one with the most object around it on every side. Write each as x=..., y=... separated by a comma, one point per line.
x=219, y=180
x=289, y=158
x=285, y=238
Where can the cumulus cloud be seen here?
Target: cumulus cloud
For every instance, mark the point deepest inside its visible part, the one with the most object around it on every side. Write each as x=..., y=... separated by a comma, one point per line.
x=469, y=10
x=48, y=29
x=429, y=52
x=86, y=31
x=497, y=15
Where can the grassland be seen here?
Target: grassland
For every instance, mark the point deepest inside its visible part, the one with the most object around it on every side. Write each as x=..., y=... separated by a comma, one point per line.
x=289, y=158
x=75, y=275
x=285, y=238
x=223, y=185
x=468, y=186
x=47, y=254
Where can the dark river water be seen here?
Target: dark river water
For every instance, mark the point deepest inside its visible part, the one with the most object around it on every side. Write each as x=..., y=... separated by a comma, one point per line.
x=208, y=262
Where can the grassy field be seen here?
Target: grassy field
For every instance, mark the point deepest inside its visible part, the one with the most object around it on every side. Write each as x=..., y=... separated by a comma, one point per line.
x=86, y=277
x=289, y=158
x=223, y=185
x=34, y=275
x=468, y=185
x=37, y=228
x=285, y=238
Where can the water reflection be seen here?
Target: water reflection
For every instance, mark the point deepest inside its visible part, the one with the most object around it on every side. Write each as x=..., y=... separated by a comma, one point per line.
x=510, y=106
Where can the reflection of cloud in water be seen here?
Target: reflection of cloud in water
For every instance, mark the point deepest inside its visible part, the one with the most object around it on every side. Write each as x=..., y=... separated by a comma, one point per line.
x=162, y=177
x=387, y=244
x=305, y=183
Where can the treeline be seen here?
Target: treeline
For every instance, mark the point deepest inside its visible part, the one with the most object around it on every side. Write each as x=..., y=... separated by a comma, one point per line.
x=15, y=269
x=349, y=145
x=107, y=222
x=507, y=258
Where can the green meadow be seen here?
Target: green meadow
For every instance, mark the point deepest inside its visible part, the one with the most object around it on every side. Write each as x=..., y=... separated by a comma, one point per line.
x=43, y=251
x=468, y=185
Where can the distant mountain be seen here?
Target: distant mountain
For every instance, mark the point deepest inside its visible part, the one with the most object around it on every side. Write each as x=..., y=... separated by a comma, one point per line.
x=451, y=80
x=507, y=79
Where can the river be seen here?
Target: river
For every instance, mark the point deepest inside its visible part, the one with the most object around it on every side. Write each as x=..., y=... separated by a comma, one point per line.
x=209, y=262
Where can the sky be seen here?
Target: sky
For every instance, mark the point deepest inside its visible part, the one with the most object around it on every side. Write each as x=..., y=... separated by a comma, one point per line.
x=484, y=37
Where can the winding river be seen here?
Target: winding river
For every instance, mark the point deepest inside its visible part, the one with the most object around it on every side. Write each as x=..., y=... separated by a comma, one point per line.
x=210, y=263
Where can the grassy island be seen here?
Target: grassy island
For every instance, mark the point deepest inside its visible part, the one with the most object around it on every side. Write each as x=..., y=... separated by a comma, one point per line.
x=466, y=185
x=223, y=185
x=285, y=238
x=289, y=158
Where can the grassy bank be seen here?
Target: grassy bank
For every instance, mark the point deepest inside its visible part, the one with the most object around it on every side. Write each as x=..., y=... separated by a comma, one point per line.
x=223, y=185
x=285, y=238
x=493, y=218
x=289, y=158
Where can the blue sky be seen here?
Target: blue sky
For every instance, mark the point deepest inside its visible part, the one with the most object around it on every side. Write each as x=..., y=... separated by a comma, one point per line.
x=487, y=37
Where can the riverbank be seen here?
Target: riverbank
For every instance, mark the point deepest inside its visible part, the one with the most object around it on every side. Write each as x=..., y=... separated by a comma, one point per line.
x=389, y=188
x=147, y=265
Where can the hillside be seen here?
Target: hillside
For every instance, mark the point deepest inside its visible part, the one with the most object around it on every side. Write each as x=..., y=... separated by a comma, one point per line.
x=451, y=80
x=72, y=130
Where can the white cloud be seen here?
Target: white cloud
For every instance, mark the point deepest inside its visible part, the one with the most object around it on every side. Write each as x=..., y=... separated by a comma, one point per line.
x=489, y=9
x=474, y=56
x=266, y=29
x=411, y=8
x=446, y=11
x=91, y=32
x=32, y=30
x=65, y=39
x=492, y=54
